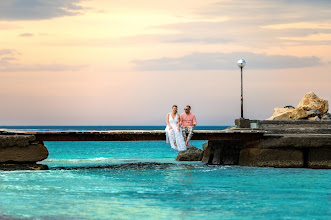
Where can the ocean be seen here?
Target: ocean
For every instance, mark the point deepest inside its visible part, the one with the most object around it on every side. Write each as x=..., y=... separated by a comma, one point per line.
x=142, y=180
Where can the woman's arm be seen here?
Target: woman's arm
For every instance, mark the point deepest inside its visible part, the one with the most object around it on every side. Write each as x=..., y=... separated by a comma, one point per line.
x=178, y=122
x=167, y=120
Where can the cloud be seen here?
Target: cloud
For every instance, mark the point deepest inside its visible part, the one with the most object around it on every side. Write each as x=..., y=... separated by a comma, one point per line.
x=7, y=52
x=9, y=62
x=249, y=22
x=6, y=60
x=226, y=61
x=6, y=56
x=40, y=68
x=38, y=9
x=26, y=35
x=270, y=11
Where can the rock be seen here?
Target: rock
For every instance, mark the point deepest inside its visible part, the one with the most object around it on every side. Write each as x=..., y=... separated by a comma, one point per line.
x=289, y=106
x=319, y=158
x=27, y=166
x=298, y=113
x=326, y=116
x=311, y=101
x=313, y=113
x=16, y=140
x=21, y=149
x=271, y=158
x=191, y=154
x=316, y=118
x=281, y=114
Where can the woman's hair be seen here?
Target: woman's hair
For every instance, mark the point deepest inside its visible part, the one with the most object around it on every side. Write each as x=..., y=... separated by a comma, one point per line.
x=174, y=106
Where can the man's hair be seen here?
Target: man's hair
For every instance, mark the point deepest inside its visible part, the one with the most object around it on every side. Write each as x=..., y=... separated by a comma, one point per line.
x=188, y=106
x=175, y=106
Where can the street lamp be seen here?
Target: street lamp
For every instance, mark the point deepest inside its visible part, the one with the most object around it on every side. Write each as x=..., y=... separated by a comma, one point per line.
x=241, y=63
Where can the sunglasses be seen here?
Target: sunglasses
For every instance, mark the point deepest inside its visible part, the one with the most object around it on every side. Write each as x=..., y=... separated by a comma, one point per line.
x=186, y=109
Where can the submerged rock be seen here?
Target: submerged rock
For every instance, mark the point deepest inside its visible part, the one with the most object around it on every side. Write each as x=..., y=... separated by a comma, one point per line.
x=191, y=154
x=311, y=101
x=130, y=166
x=18, y=166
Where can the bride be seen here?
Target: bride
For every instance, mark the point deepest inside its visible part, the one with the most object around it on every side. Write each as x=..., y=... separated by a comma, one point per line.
x=174, y=134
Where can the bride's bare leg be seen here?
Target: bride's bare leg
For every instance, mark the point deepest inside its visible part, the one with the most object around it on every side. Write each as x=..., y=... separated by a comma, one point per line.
x=175, y=144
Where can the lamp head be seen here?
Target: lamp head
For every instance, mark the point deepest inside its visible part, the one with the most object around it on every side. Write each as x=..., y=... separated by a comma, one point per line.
x=241, y=63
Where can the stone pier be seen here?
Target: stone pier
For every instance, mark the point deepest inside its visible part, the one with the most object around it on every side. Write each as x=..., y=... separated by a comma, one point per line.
x=286, y=144
x=281, y=144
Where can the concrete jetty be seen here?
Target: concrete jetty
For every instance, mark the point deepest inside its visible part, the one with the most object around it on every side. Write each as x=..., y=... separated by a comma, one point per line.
x=283, y=144
x=136, y=135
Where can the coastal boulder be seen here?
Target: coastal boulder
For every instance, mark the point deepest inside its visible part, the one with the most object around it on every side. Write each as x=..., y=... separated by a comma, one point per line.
x=298, y=113
x=191, y=154
x=21, y=149
x=311, y=101
x=281, y=114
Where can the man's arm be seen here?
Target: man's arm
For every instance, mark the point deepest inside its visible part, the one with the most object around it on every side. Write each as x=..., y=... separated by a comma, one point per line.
x=194, y=121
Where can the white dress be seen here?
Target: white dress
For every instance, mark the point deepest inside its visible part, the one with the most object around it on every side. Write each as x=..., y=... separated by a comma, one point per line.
x=174, y=135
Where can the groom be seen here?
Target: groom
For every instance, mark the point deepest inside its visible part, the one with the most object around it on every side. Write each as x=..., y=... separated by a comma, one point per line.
x=188, y=122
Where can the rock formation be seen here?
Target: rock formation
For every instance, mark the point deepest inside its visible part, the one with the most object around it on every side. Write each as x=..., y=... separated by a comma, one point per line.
x=312, y=102
x=21, y=152
x=310, y=107
x=281, y=114
x=191, y=154
x=298, y=113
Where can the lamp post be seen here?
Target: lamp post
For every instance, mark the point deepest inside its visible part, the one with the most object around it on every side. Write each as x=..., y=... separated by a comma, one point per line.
x=241, y=63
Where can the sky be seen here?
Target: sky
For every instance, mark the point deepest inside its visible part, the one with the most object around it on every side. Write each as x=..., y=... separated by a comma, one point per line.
x=105, y=62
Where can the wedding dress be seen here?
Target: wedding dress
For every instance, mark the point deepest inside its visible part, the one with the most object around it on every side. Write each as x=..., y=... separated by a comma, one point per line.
x=174, y=135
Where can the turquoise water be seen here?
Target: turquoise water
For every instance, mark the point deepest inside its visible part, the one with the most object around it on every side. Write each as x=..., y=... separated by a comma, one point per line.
x=141, y=180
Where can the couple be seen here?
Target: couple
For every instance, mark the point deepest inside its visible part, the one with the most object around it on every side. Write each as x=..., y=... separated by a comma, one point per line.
x=179, y=126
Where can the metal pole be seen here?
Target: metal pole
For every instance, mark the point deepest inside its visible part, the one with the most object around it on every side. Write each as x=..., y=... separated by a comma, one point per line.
x=242, y=97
